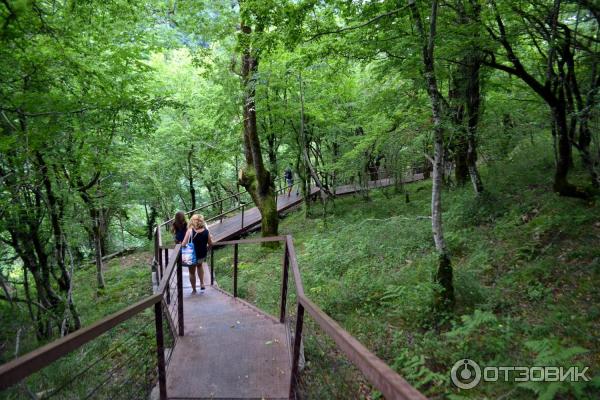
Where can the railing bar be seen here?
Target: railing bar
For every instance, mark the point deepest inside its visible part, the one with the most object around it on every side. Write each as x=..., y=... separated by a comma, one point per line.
x=170, y=269
x=222, y=214
x=170, y=321
x=296, y=351
x=385, y=379
x=284, y=284
x=111, y=351
x=112, y=372
x=129, y=392
x=235, y=270
x=294, y=265
x=212, y=265
x=251, y=241
x=179, y=294
x=160, y=351
x=26, y=365
x=174, y=310
x=206, y=205
x=141, y=387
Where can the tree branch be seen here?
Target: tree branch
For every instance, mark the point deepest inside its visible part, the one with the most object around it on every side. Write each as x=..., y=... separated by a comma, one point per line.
x=349, y=28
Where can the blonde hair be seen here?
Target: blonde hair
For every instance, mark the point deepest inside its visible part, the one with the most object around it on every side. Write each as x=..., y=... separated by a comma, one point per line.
x=197, y=221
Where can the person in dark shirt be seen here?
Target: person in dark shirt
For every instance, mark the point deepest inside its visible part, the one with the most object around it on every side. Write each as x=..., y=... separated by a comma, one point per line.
x=199, y=235
x=289, y=178
x=179, y=227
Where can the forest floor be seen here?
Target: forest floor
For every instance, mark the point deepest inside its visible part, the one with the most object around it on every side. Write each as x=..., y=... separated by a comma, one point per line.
x=526, y=275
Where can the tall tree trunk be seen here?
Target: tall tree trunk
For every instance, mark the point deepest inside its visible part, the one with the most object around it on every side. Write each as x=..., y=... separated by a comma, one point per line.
x=458, y=142
x=150, y=220
x=464, y=99
x=254, y=177
x=445, y=300
x=473, y=102
x=94, y=213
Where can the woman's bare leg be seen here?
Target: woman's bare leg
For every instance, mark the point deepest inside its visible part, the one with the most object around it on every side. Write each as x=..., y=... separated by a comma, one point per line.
x=201, y=274
x=193, y=278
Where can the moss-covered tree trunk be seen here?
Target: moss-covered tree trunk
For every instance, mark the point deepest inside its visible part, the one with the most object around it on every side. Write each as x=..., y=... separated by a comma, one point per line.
x=254, y=177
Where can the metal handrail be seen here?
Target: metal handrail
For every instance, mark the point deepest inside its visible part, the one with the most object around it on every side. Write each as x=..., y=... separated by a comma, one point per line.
x=19, y=368
x=13, y=371
x=202, y=207
x=384, y=378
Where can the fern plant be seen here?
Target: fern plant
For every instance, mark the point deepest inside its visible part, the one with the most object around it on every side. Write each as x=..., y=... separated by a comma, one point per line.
x=551, y=353
x=413, y=369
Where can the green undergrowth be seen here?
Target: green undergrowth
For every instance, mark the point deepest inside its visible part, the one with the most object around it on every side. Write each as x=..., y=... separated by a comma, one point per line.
x=526, y=274
x=121, y=363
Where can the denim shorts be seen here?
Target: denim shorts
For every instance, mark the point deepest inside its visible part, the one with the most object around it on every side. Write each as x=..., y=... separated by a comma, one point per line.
x=199, y=261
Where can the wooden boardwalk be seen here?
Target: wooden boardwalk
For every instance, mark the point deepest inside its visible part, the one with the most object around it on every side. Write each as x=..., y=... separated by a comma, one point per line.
x=230, y=349
x=236, y=225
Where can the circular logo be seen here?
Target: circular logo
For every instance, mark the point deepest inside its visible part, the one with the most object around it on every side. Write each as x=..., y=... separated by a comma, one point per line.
x=465, y=374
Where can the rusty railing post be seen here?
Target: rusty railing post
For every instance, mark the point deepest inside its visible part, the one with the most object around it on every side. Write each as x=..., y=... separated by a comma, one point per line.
x=156, y=255
x=160, y=350
x=212, y=266
x=243, y=206
x=168, y=285
x=180, y=294
x=235, y=270
x=166, y=263
x=159, y=267
x=296, y=355
x=284, y=282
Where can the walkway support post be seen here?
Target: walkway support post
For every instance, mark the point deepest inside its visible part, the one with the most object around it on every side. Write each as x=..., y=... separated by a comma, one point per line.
x=284, y=283
x=243, y=206
x=168, y=285
x=235, y=270
x=212, y=266
x=296, y=356
x=160, y=351
x=156, y=255
x=180, y=294
x=162, y=270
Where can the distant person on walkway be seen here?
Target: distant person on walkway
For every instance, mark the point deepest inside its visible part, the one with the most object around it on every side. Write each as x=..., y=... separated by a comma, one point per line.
x=199, y=235
x=289, y=178
x=179, y=227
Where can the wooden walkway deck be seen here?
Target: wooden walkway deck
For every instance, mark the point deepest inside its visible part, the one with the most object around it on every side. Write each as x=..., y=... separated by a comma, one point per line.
x=236, y=225
x=231, y=350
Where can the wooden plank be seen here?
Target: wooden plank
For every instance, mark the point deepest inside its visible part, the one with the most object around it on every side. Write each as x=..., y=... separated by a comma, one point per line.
x=385, y=379
x=13, y=371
